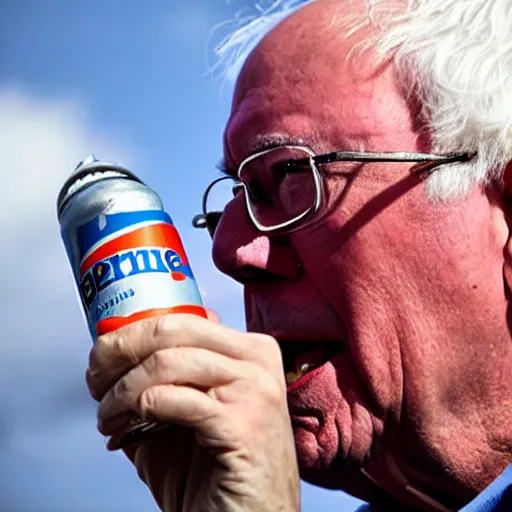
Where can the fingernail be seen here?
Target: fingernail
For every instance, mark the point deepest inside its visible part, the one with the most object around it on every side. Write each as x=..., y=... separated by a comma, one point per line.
x=128, y=438
x=137, y=435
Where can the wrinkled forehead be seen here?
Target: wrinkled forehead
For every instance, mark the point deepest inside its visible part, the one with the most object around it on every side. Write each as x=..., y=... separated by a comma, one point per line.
x=307, y=79
x=312, y=41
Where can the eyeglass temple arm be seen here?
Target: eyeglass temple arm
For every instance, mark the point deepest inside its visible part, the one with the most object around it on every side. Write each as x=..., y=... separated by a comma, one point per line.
x=200, y=220
x=403, y=156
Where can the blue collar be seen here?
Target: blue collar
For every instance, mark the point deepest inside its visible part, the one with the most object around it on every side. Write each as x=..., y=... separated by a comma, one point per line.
x=495, y=498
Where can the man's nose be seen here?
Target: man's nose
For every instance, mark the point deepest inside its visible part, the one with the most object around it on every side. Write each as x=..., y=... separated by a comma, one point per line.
x=248, y=255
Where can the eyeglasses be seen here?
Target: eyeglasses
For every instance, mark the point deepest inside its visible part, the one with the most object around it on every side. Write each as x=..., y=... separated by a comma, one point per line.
x=284, y=188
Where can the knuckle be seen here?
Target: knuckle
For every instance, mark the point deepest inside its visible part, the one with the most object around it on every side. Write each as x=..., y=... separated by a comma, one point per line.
x=265, y=340
x=122, y=391
x=274, y=393
x=167, y=325
x=108, y=346
x=270, y=390
x=266, y=346
x=102, y=346
x=121, y=347
x=149, y=401
x=160, y=363
x=163, y=325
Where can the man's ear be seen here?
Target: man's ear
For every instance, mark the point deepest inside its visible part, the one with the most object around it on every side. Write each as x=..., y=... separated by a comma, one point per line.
x=507, y=185
x=506, y=227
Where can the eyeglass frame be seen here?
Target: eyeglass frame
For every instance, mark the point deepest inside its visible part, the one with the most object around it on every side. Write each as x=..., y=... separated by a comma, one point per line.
x=201, y=220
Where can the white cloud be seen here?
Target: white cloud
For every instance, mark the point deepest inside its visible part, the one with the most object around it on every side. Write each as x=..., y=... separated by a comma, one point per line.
x=41, y=142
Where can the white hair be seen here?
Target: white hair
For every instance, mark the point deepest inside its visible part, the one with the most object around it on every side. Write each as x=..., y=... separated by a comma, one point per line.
x=454, y=55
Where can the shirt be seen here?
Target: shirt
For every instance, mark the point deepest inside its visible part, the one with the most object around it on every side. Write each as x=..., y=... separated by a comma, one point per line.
x=497, y=497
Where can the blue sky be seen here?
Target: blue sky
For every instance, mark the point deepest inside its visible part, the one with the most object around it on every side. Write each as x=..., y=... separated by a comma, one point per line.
x=125, y=80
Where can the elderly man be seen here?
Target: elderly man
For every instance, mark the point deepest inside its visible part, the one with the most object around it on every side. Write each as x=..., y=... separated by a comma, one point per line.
x=368, y=143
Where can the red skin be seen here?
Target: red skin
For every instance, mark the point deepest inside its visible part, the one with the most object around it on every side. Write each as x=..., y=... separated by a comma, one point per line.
x=413, y=290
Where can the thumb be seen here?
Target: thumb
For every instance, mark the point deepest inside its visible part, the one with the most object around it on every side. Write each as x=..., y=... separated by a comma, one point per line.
x=211, y=315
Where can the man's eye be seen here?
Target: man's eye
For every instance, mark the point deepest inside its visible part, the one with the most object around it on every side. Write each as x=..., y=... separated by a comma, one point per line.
x=293, y=167
x=257, y=193
x=280, y=170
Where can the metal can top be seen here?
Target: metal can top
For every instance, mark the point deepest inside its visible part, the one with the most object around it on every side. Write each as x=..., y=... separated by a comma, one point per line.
x=88, y=172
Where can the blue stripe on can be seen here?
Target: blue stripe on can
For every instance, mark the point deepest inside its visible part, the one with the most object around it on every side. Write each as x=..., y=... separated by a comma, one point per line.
x=105, y=225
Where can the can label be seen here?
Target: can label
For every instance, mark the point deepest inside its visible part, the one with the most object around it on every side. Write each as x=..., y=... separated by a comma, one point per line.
x=133, y=264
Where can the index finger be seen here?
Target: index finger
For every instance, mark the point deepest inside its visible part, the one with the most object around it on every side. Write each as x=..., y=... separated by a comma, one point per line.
x=115, y=353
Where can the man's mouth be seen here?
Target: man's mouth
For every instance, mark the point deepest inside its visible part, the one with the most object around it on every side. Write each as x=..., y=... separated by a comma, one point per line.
x=300, y=358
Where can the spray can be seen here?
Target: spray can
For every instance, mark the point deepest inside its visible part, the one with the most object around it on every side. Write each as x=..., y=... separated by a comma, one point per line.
x=125, y=252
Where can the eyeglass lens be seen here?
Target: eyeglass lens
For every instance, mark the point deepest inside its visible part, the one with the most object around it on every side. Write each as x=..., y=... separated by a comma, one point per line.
x=277, y=189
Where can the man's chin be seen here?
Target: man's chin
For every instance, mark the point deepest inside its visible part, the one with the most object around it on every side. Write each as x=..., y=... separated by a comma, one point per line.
x=314, y=404
x=314, y=456
x=328, y=469
x=320, y=465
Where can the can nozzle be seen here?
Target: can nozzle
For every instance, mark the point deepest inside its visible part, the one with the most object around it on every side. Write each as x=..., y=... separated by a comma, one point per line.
x=87, y=172
x=87, y=161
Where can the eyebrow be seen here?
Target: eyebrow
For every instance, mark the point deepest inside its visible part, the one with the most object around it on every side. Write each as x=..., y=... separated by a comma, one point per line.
x=263, y=143
x=271, y=141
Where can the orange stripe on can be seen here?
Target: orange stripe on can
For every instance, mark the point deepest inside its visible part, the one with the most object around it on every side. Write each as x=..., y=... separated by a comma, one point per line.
x=116, y=322
x=155, y=235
